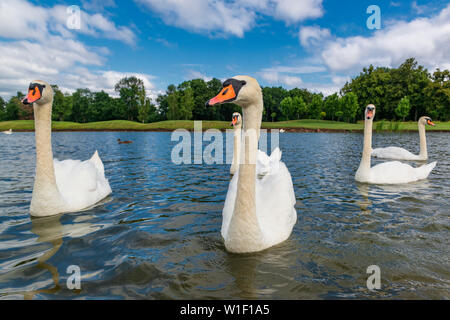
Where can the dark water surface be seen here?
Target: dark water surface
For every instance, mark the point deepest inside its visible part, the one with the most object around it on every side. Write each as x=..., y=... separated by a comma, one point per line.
x=158, y=235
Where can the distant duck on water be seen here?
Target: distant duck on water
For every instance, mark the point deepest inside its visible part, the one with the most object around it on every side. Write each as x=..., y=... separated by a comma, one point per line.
x=121, y=142
x=7, y=131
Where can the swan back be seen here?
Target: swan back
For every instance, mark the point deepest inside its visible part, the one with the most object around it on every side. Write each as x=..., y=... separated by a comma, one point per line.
x=81, y=183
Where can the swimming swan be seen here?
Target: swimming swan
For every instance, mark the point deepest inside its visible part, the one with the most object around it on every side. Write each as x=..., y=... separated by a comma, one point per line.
x=60, y=186
x=258, y=213
x=7, y=131
x=403, y=154
x=392, y=172
x=264, y=163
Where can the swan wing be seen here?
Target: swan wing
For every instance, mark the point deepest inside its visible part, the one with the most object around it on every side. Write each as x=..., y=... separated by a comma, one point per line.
x=275, y=200
x=267, y=165
x=228, y=207
x=81, y=183
x=394, y=153
x=395, y=172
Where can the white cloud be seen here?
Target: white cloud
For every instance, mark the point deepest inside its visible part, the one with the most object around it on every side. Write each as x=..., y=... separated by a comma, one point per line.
x=17, y=22
x=296, y=70
x=274, y=77
x=292, y=11
x=288, y=75
x=194, y=74
x=426, y=39
x=313, y=36
x=97, y=5
x=103, y=80
x=204, y=15
x=39, y=46
x=419, y=9
x=224, y=18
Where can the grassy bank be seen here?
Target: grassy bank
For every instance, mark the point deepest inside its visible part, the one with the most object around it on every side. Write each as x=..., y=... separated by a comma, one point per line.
x=295, y=125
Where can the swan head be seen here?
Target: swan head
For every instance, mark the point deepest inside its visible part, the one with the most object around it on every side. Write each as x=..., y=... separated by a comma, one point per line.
x=426, y=120
x=241, y=90
x=236, y=120
x=369, y=114
x=39, y=92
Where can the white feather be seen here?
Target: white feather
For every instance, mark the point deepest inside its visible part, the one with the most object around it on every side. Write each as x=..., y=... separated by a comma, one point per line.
x=275, y=199
x=81, y=183
x=395, y=153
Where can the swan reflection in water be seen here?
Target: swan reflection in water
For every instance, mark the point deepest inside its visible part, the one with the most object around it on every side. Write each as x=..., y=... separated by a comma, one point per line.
x=382, y=193
x=256, y=275
x=50, y=230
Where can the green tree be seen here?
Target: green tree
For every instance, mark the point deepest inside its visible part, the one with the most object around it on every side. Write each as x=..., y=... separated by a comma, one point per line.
x=273, y=115
x=147, y=112
x=61, y=110
x=2, y=109
x=331, y=105
x=12, y=108
x=120, y=109
x=315, y=107
x=300, y=107
x=132, y=92
x=81, y=99
x=173, y=112
x=349, y=106
x=186, y=104
x=102, y=107
x=437, y=102
x=272, y=97
x=403, y=108
x=287, y=108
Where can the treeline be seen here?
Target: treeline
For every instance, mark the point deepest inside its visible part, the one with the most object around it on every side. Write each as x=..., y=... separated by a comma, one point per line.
x=86, y=106
x=403, y=93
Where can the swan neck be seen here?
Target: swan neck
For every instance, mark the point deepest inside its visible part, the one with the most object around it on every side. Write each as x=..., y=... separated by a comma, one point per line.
x=45, y=173
x=236, y=148
x=244, y=233
x=423, y=141
x=367, y=146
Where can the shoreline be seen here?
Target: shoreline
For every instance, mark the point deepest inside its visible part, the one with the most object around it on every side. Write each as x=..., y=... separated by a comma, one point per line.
x=305, y=125
x=287, y=130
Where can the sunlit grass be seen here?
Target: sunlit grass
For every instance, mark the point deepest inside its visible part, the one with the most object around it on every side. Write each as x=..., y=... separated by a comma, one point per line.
x=28, y=125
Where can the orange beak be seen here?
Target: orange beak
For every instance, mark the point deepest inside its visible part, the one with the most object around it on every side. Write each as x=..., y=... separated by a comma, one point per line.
x=369, y=114
x=32, y=96
x=226, y=94
x=431, y=123
x=234, y=121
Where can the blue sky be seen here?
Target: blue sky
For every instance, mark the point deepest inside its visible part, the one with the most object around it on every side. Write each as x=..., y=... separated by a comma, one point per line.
x=310, y=44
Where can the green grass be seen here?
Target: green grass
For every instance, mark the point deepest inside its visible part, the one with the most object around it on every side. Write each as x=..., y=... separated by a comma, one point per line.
x=28, y=125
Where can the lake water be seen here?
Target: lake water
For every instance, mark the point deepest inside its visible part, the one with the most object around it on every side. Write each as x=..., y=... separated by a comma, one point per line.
x=158, y=235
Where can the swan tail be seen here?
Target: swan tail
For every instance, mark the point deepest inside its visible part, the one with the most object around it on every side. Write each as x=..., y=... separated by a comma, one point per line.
x=95, y=159
x=275, y=155
x=424, y=171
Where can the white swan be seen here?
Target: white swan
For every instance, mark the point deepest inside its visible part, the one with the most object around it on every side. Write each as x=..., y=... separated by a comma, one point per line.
x=60, y=186
x=258, y=213
x=392, y=172
x=403, y=154
x=7, y=131
x=264, y=163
